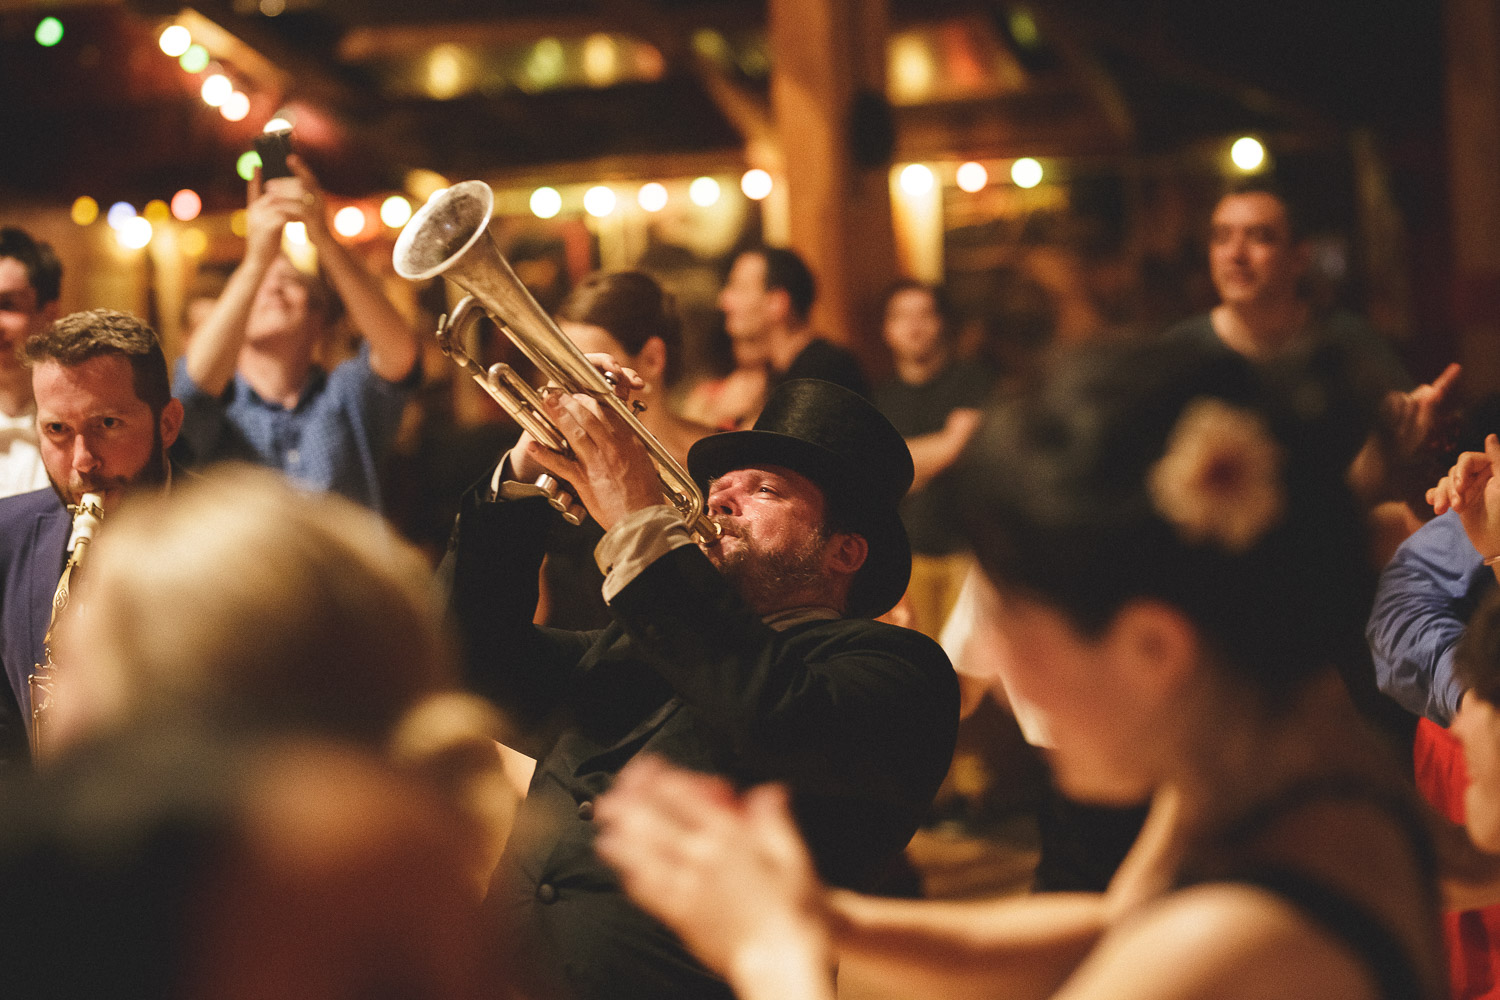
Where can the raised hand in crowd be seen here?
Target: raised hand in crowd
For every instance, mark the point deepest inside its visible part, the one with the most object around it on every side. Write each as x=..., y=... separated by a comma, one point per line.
x=1472, y=489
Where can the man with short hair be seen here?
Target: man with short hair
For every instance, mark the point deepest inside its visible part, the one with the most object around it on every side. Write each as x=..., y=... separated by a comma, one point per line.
x=768, y=298
x=30, y=282
x=106, y=419
x=750, y=654
x=249, y=382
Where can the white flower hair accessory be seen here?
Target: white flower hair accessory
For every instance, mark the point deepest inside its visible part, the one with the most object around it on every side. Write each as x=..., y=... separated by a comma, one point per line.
x=1220, y=479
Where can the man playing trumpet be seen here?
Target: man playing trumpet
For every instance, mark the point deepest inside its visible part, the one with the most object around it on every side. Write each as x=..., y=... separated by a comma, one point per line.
x=750, y=655
x=105, y=417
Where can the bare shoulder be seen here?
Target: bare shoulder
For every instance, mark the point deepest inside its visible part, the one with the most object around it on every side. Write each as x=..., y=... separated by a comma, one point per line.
x=1224, y=941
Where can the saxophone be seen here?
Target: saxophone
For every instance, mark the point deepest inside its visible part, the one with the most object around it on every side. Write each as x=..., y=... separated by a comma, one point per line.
x=88, y=514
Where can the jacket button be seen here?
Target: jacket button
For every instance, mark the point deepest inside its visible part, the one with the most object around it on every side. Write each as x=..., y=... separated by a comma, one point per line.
x=586, y=810
x=546, y=892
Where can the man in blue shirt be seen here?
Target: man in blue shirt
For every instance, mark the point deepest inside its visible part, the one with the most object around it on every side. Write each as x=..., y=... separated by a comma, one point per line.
x=248, y=379
x=1433, y=584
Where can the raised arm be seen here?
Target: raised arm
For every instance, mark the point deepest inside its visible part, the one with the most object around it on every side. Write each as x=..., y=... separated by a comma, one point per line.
x=214, y=350
x=393, y=343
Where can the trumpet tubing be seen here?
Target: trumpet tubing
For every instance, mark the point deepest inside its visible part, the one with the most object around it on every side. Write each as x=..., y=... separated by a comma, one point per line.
x=450, y=236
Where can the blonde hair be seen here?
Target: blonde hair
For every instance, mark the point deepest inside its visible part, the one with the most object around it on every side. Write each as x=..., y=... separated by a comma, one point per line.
x=241, y=597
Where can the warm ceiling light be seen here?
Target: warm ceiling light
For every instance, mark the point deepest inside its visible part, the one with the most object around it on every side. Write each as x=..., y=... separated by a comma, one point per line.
x=85, y=210
x=1247, y=154
x=599, y=201
x=216, y=90
x=395, y=211
x=704, y=191
x=194, y=60
x=186, y=205
x=175, y=40
x=349, y=221
x=916, y=179
x=235, y=107
x=545, y=202
x=652, y=197
x=756, y=184
x=1026, y=172
x=972, y=177
x=119, y=213
x=135, y=234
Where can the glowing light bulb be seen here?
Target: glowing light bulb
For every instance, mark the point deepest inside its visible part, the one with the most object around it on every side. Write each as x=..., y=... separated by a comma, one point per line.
x=156, y=211
x=395, y=211
x=175, y=40
x=186, y=205
x=599, y=201
x=1247, y=153
x=246, y=164
x=49, y=31
x=296, y=233
x=1026, y=172
x=972, y=177
x=135, y=234
x=349, y=221
x=652, y=197
x=85, y=210
x=216, y=90
x=704, y=192
x=916, y=179
x=545, y=202
x=235, y=107
x=119, y=213
x=195, y=59
x=756, y=184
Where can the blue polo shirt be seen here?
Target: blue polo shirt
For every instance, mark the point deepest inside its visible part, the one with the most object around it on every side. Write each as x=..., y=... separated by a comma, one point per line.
x=334, y=438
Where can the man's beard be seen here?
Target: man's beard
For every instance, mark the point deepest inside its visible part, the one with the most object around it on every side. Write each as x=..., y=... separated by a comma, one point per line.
x=764, y=577
x=153, y=473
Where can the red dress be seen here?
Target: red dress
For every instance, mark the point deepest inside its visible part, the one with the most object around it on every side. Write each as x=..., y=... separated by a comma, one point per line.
x=1472, y=937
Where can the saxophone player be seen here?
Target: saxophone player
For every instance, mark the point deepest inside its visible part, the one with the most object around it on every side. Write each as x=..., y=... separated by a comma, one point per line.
x=105, y=420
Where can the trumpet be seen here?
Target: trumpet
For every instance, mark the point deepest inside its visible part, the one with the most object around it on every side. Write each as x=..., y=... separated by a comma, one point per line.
x=450, y=236
x=88, y=514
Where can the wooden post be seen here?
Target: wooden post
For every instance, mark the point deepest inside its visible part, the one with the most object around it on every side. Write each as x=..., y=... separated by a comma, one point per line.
x=1473, y=91
x=824, y=52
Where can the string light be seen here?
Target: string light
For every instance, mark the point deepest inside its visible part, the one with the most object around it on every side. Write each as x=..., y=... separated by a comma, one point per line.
x=395, y=211
x=49, y=31
x=85, y=210
x=175, y=40
x=916, y=179
x=349, y=221
x=186, y=205
x=545, y=202
x=1026, y=172
x=195, y=59
x=156, y=211
x=246, y=164
x=135, y=234
x=235, y=107
x=216, y=90
x=599, y=201
x=972, y=177
x=1247, y=153
x=704, y=192
x=119, y=213
x=756, y=184
x=652, y=197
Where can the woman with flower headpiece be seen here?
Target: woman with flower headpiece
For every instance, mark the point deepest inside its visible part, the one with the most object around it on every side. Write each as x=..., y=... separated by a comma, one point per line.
x=1174, y=566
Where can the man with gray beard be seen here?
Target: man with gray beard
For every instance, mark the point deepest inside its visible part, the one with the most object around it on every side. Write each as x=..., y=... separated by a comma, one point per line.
x=751, y=656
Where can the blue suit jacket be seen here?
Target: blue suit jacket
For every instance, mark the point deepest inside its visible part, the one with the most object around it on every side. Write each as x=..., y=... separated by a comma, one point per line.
x=33, y=541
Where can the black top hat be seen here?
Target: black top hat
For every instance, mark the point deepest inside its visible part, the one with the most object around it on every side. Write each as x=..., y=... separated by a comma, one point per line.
x=837, y=439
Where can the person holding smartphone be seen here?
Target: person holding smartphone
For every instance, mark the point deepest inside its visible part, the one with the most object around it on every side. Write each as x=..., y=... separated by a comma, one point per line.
x=249, y=380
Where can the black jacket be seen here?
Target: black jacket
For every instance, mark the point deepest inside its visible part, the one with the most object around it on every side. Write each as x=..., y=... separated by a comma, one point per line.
x=858, y=718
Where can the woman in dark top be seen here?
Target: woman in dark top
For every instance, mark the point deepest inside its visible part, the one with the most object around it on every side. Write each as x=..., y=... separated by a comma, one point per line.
x=1174, y=565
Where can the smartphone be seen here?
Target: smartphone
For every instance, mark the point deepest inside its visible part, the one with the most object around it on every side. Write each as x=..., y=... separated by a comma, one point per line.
x=273, y=148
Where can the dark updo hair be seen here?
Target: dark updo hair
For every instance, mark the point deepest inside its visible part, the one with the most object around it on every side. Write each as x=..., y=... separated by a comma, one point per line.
x=1057, y=499
x=632, y=308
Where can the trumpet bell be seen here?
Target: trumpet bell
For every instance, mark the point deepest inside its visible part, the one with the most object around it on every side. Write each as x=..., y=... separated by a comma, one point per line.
x=443, y=230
